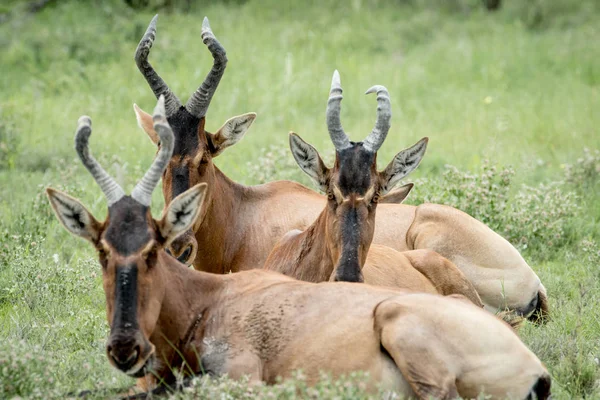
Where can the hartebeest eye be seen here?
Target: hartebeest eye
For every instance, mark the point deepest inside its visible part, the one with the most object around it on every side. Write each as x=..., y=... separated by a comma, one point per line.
x=372, y=196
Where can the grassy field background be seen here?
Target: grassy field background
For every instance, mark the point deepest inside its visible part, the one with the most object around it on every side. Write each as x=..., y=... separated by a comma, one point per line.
x=510, y=101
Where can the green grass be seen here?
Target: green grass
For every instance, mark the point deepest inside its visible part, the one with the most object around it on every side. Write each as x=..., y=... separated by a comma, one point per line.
x=520, y=87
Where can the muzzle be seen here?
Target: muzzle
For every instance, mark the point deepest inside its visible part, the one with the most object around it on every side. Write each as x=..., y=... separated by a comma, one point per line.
x=129, y=351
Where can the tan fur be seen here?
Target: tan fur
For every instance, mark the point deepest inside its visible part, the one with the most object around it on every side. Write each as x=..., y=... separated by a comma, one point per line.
x=245, y=222
x=264, y=325
x=477, y=251
x=402, y=322
x=418, y=270
x=312, y=255
x=305, y=256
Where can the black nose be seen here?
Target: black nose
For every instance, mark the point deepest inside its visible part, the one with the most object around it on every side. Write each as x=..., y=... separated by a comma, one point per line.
x=183, y=258
x=348, y=272
x=124, y=357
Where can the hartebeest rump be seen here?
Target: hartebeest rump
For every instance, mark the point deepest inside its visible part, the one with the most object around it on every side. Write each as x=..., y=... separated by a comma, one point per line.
x=338, y=243
x=245, y=222
x=166, y=317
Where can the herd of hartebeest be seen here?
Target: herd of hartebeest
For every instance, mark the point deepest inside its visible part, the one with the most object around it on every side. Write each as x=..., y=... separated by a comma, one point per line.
x=428, y=321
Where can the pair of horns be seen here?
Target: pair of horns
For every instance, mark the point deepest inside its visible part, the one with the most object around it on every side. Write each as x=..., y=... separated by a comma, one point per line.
x=142, y=192
x=382, y=125
x=198, y=103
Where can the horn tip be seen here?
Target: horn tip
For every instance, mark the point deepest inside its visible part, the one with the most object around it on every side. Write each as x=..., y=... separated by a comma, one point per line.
x=335, y=80
x=205, y=24
x=375, y=89
x=153, y=22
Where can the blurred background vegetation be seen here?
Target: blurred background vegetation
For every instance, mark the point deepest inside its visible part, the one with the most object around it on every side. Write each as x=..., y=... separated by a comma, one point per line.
x=509, y=98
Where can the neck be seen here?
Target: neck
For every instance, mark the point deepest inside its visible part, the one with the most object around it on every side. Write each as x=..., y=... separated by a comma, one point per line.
x=214, y=231
x=188, y=294
x=305, y=256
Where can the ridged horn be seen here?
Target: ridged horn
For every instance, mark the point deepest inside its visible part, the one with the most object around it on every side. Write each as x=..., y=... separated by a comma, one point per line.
x=109, y=186
x=382, y=125
x=198, y=103
x=142, y=192
x=158, y=86
x=334, y=126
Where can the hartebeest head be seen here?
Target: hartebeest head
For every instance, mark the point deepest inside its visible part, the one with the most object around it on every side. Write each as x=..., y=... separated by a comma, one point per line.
x=130, y=244
x=194, y=147
x=354, y=186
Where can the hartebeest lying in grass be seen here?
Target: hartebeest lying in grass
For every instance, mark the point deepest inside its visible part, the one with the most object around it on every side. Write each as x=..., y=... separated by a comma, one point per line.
x=166, y=317
x=338, y=244
x=239, y=225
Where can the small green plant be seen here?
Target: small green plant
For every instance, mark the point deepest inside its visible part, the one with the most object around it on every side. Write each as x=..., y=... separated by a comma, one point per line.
x=353, y=386
x=534, y=218
x=585, y=172
x=26, y=371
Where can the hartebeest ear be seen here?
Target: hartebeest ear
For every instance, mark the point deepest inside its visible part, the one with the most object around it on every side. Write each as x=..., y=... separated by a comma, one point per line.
x=182, y=213
x=231, y=132
x=397, y=196
x=74, y=216
x=145, y=122
x=309, y=161
x=403, y=164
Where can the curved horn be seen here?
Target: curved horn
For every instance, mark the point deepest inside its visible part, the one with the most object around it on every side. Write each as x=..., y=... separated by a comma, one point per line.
x=109, y=186
x=142, y=192
x=198, y=103
x=156, y=83
x=384, y=113
x=334, y=126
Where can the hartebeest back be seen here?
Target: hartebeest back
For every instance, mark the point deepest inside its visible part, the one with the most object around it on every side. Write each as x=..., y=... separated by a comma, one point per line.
x=165, y=317
x=338, y=244
x=246, y=221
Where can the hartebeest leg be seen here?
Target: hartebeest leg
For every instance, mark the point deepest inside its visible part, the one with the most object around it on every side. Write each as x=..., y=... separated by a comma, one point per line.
x=407, y=339
x=443, y=274
x=498, y=272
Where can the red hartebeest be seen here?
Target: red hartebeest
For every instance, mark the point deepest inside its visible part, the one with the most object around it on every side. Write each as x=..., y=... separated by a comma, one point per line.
x=166, y=317
x=245, y=222
x=338, y=244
